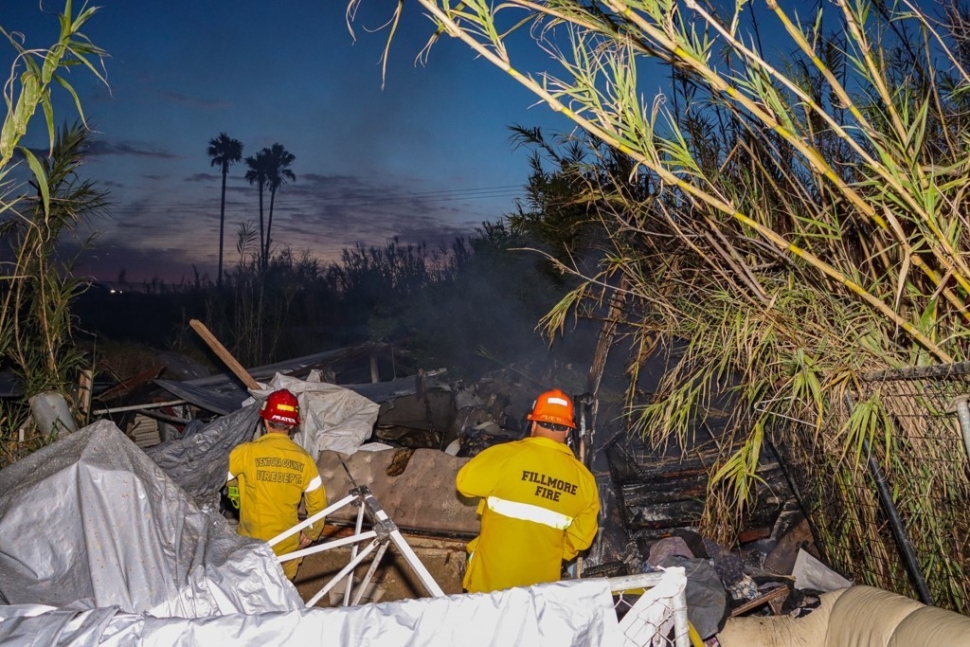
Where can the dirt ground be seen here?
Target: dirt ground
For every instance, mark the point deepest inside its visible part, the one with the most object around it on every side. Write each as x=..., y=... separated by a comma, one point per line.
x=394, y=580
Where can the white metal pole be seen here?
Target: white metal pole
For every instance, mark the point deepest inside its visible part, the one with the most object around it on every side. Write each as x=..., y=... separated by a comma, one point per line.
x=343, y=572
x=370, y=572
x=963, y=415
x=353, y=555
x=138, y=407
x=336, y=543
x=429, y=584
x=309, y=521
x=380, y=518
x=681, y=630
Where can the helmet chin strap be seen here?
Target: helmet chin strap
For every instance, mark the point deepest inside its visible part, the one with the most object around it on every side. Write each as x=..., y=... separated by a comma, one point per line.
x=544, y=432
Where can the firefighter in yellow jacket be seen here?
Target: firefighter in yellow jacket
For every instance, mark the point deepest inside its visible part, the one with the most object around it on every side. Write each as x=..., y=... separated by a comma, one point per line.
x=539, y=504
x=274, y=473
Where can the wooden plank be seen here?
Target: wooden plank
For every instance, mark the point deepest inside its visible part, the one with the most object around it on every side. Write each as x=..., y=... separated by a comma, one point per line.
x=84, y=388
x=223, y=354
x=144, y=431
x=775, y=595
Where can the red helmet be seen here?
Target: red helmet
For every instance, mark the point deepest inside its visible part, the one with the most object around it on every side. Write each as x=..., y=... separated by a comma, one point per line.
x=554, y=407
x=282, y=407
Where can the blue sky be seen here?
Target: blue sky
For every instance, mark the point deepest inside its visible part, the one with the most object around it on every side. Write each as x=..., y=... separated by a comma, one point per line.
x=425, y=158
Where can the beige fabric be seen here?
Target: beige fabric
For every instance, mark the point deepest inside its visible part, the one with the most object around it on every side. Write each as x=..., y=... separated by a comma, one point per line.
x=865, y=616
x=422, y=498
x=932, y=626
x=860, y=616
x=781, y=631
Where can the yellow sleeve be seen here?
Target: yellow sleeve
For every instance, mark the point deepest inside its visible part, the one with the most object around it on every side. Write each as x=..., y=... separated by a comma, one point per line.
x=315, y=500
x=580, y=533
x=479, y=476
x=238, y=459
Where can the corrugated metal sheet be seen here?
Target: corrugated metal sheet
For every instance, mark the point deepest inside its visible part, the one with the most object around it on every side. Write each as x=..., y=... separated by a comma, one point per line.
x=224, y=394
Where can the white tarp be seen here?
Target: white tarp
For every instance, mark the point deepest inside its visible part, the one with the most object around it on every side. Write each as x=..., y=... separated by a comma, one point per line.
x=562, y=614
x=99, y=546
x=333, y=417
x=90, y=521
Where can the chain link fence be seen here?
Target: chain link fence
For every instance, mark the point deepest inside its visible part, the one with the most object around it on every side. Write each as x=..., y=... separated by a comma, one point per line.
x=892, y=510
x=652, y=608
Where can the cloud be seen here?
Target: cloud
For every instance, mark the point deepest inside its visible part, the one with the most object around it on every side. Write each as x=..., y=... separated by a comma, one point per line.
x=107, y=258
x=204, y=177
x=321, y=214
x=101, y=147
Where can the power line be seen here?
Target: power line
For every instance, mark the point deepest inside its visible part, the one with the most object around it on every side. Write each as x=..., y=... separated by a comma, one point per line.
x=439, y=197
x=296, y=201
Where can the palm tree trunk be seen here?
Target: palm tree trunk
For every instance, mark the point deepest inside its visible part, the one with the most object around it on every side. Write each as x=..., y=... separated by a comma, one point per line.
x=269, y=220
x=262, y=239
x=222, y=220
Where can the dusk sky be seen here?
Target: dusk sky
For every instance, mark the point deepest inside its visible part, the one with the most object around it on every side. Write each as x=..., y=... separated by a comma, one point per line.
x=426, y=158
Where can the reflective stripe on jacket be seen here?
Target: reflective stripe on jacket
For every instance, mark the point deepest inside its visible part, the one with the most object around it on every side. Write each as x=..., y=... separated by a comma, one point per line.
x=539, y=506
x=529, y=512
x=274, y=472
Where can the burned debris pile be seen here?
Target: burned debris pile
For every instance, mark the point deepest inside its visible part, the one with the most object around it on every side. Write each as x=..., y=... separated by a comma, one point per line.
x=405, y=438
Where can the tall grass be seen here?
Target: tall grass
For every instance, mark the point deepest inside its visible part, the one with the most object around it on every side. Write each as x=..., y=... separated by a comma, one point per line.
x=300, y=305
x=35, y=288
x=441, y=305
x=38, y=302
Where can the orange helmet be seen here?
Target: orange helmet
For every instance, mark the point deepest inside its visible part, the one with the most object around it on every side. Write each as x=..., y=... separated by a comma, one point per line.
x=282, y=407
x=553, y=407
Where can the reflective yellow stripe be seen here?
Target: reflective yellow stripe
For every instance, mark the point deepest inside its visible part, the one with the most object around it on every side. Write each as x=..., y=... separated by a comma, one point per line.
x=529, y=512
x=314, y=484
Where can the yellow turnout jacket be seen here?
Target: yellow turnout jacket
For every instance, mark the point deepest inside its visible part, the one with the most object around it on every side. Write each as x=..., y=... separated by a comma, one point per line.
x=539, y=506
x=274, y=472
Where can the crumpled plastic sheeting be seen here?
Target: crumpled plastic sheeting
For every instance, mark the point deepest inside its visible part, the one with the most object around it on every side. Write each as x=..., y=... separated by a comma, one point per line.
x=333, y=417
x=90, y=521
x=199, y=463
x=562, y=614
x=706, y=599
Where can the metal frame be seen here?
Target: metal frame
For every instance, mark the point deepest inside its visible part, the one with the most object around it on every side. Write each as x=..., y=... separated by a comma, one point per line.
x=650, y=580
x=384, y=532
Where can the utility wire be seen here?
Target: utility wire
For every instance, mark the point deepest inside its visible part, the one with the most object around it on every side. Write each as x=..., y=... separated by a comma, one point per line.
x=301, y=200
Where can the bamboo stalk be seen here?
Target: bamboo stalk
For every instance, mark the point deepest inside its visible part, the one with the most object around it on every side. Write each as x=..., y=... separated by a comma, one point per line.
x=689, y=188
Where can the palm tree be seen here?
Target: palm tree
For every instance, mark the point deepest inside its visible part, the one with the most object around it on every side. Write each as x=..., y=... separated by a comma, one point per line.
x=257, y=175
x=224, y=151
x=278, y=160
